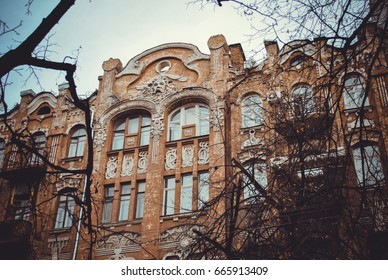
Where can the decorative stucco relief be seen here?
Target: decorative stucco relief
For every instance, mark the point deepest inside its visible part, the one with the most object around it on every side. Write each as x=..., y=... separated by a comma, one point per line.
x=251, y=141
x=56, y=245
x=187, y=156
x=171, y=157
x=117, y=244
x=127, y=166
x=203, y=153
x=111, y=168
x=100, y=138
x=142, y=162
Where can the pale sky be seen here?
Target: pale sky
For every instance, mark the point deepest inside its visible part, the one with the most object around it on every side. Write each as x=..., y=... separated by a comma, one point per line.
x=118, y=29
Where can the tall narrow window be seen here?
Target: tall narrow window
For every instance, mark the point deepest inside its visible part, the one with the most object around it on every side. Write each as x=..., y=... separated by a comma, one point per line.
x=39, y=144
x=186, y=193
x=354, y=92
x=118, y=136
x=259, y=172
x=203, y=188
x=304, y=103
x=145, y=130
x=169, y=196
x=252, y=111
x=141, y=186
x=21, y=201
x=369, y=168
x=108, y=204
x=188, y=121
x=125, y=199
x=77, y=143
x=65, y=212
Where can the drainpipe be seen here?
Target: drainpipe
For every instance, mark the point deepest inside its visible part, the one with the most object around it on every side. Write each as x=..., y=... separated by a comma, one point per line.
x=81, y=211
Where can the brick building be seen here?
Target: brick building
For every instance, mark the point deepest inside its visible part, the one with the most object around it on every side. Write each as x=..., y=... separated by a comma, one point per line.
x=172, y=129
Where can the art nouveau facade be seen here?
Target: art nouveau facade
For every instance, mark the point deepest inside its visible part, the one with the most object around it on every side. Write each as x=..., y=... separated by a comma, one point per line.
x=161, y=133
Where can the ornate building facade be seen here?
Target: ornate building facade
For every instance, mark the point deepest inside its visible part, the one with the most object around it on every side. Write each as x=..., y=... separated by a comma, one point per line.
x=171, y=129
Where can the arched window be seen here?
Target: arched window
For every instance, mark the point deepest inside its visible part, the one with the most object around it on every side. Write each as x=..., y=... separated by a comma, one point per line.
x=44, y=110
x=77, y=143
x=136, y=128
x=188, y=121
x=354, y=92
x=303, y=100
x=297, y=61
x=367, y=162
x=252, y=111
x=2, y=147
x=259, y=172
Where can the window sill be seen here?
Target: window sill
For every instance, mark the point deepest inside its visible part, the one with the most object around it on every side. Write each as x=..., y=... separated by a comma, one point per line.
x=355, y=110
x=71, y=159
x=56, y=231
x=176, y=217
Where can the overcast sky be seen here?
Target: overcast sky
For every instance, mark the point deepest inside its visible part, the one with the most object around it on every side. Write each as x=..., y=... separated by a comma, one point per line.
x=118, y=29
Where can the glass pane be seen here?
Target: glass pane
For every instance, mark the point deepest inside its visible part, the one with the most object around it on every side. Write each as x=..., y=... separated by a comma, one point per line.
x=70, y=211
x=204, y=121
x=186, y=193
x=146, y=121
x=252, y=111
x=133, y=125
x=169, y=196
x=124, y=208
x=81, y=145
x=60, y=216
x=107, y=212
x=125, y=189
x=175, y=132
x=73, y=148
x=190, y=116
x=145, y=136
x=203, y=189
x=118, y=141
x=140, y=205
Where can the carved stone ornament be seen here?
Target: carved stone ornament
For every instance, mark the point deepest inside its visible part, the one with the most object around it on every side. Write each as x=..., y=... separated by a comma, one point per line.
x=156, y=90
x=180, y=237
x=99, y=139
x=171, y=156
x=157, y=128
x=203, y=153
x=111, y=168
x=56, y=245
x=127, y=167
x=142, y=162
x=217, y=118
x=117, y=244
x=252, y=140
x=187, y=156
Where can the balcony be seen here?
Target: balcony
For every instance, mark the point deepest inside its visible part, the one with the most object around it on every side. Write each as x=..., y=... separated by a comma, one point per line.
x=22, y=166
x=15, y=240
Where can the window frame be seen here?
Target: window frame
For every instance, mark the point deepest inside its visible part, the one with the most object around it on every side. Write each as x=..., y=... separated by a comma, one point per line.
x=354, y=93
x=107, y=209
x=249, y=190
x=168, y=207
x=77, y=143
x=140, y=197
x=66, y=206
x=252, y=114
x=143, y=131
x=366, y=156
x=125, y=202
x=201, y=121
x=304, y=99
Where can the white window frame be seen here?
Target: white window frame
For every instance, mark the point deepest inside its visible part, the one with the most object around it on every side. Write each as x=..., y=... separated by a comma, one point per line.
x=354, y=92
x=368, y=165
x=252, y=111
x=199, y=120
